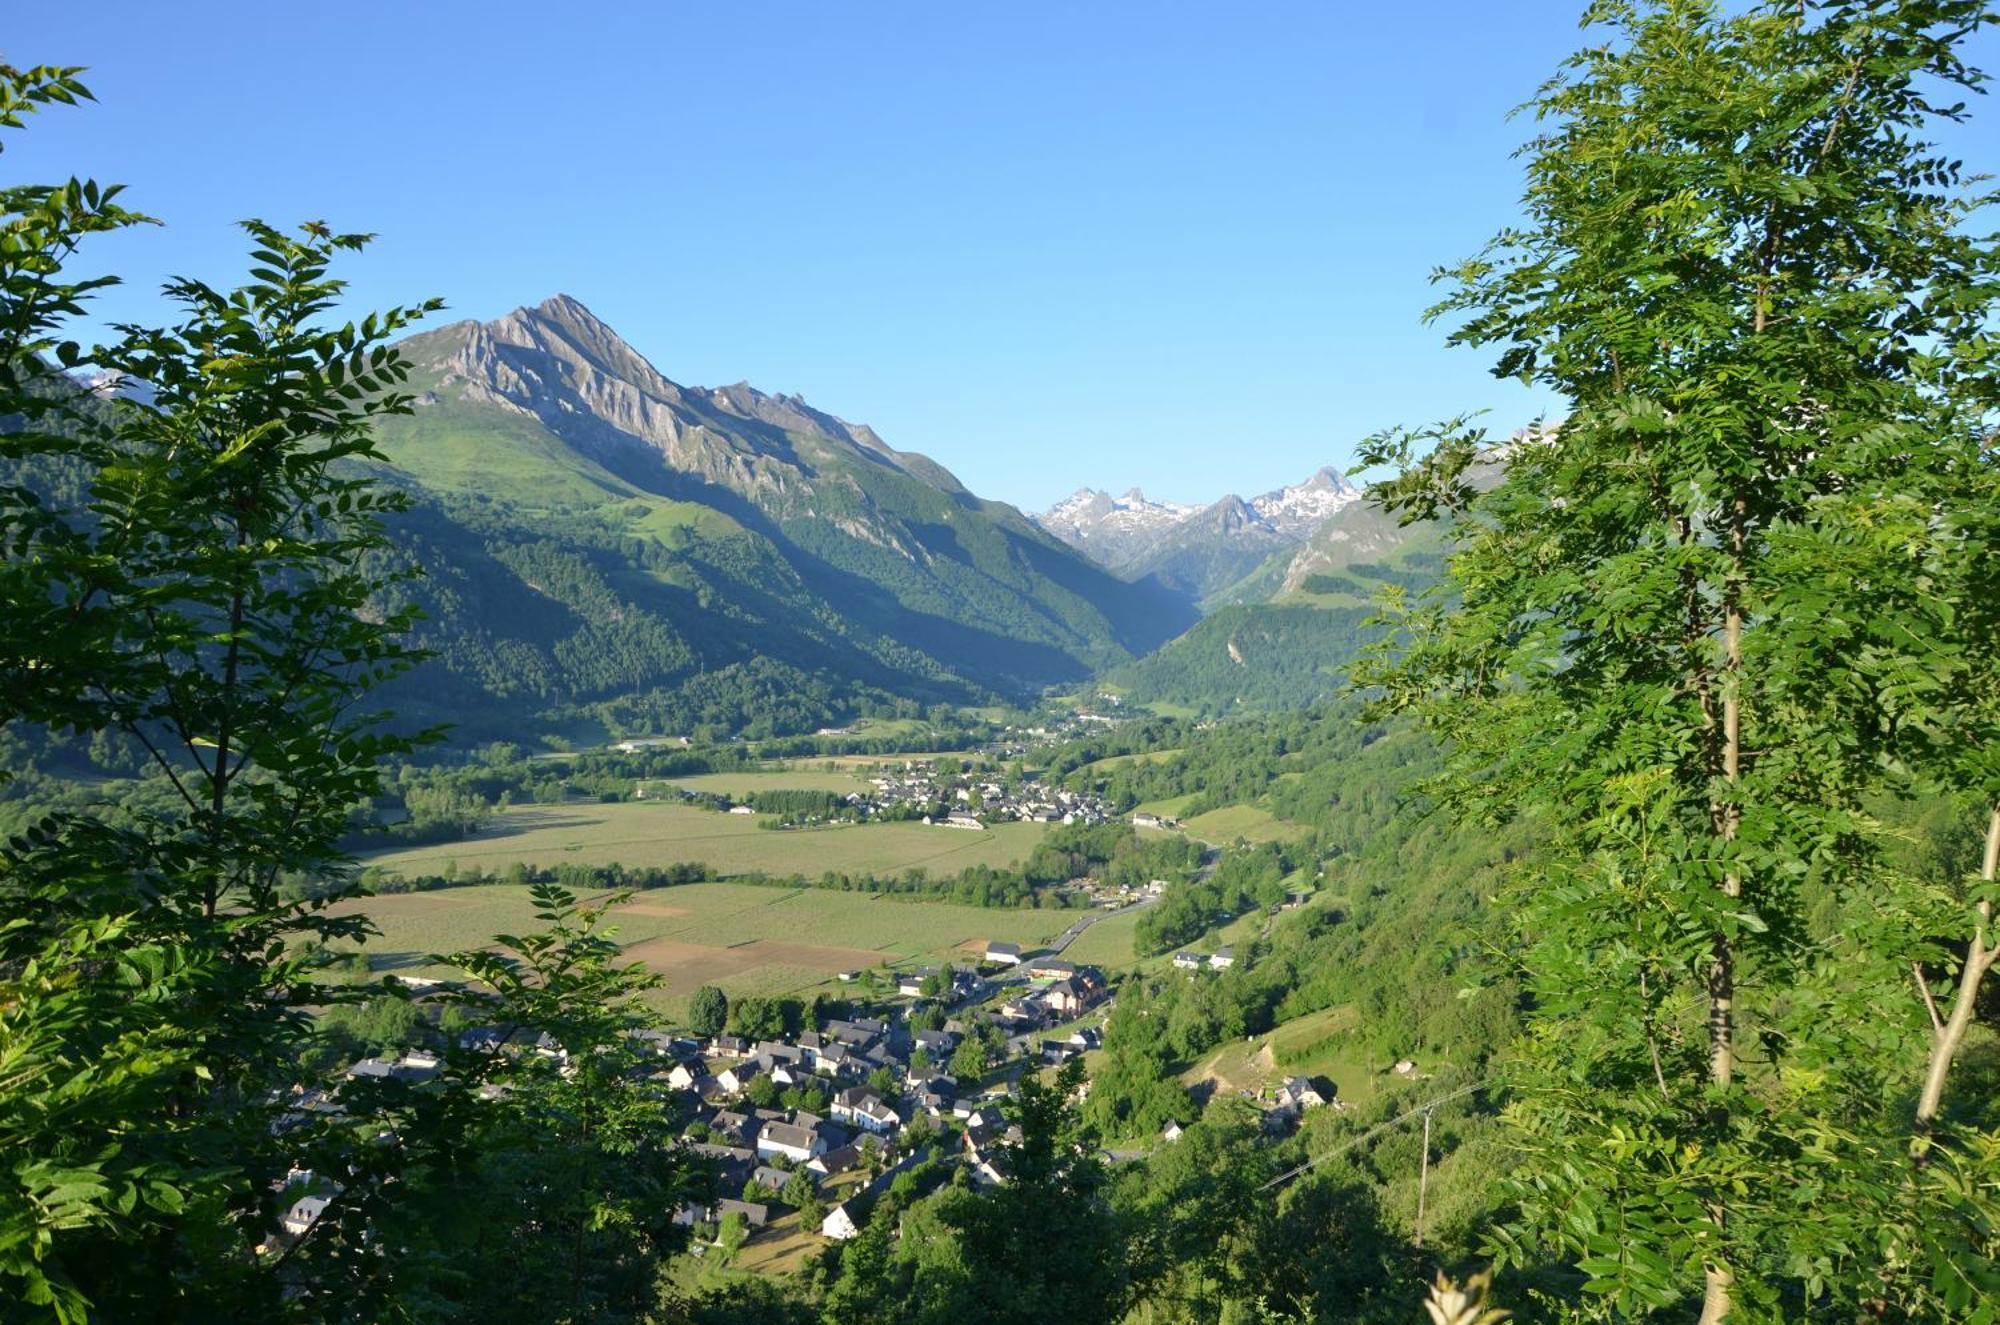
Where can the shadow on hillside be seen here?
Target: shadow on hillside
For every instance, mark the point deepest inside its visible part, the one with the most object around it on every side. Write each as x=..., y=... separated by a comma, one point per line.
x=535, y=818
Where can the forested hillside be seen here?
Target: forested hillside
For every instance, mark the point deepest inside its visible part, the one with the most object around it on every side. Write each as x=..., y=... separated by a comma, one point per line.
x=600, y=545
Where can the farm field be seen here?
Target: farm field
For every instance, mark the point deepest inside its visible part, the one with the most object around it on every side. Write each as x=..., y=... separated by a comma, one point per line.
x=746, y=938
x=639, y=833
x=776, y=779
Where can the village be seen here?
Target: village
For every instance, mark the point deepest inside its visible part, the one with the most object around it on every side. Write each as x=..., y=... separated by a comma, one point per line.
x=821, y=1122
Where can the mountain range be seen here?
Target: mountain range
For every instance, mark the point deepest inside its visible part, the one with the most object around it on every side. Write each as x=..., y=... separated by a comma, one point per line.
x=1196, y=551
x=601, y=541
x=604, y=549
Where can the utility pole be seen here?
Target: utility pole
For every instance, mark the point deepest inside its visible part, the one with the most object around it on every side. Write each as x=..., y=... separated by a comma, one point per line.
x=1423, y=1176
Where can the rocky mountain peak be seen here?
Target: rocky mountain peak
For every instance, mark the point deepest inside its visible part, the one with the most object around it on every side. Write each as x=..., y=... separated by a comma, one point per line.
x=574, y=374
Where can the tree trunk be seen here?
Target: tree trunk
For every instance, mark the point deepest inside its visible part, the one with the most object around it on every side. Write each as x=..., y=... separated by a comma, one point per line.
x=1717, y=1279
x=1946, y=1039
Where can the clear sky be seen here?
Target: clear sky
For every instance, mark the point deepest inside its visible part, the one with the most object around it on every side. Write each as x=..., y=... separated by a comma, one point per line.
x=1049, y=244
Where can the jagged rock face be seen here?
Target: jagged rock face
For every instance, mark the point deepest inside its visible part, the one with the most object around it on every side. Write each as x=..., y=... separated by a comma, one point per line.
x=1196, y=550
x=744, y=525
x=559, y=364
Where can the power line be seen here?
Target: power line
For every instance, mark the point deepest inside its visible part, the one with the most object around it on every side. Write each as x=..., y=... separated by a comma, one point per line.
x=1373, y=1132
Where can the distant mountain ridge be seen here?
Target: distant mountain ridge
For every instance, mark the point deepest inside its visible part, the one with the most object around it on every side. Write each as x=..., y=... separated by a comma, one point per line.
x=600, y=538
x=1196, y=550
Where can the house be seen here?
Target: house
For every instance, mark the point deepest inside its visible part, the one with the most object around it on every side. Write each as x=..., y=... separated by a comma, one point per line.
x=727, y=1046
x=755, y=1215
x=1298, y=1094
x=1006, y=954
x=734, y=1079
x=795, y=1143
x=1172, y=1131
x=1189, y=961
x=865, y=1109
x=936, y=1095
x=1051, y=968
x=938, y=1044
x=963, y=821
x=1066, y=998
x=482, y=1039
x=683, y=1076
x=839, y=1225
x=1223, y=958
x=775, y=1179
x=730, y=1125
x=835, y=1161
x=373, y=1069
x=732, y=1163
x=314, y=1195
x=303, y=1213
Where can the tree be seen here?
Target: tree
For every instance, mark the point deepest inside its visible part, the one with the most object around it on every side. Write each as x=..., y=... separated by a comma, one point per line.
x=559, y=1205
x=968, y=1060
x=1046, y=1243
x=191, y=572
x=708, y=1011
x=1756, y=290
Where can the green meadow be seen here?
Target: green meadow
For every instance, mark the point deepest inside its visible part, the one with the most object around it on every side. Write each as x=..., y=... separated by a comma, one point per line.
x=647, y=833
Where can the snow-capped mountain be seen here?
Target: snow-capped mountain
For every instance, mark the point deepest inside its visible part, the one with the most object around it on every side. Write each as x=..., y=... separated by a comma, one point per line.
x=1304, y=507
x=1195, y=550
x=1104, y=525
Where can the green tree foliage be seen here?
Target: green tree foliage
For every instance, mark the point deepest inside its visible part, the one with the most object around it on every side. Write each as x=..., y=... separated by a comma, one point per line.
x=1679, y=645
x=1046, y=1244
x=708, y=1011
x=203, y=605
x=187, y=582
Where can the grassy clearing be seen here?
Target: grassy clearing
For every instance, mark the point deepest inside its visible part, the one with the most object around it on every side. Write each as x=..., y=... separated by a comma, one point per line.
x=1246, y=821
x=747, y=939
x=1107, y=943
x=642, y=833
x=1317, y=1044
x=1170, y=806
x=1110, y=762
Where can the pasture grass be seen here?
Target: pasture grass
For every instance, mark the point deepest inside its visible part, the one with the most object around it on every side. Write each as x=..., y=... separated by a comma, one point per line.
x=1250, y=822
x=649, y=833
x=749, y=939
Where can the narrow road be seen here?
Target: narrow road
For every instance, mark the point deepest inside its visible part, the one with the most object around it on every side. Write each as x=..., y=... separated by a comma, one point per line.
x=1068, y=936
x=1210, y=859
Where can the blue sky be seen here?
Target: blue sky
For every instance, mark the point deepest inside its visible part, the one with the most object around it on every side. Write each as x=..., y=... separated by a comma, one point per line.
x=1049, y=244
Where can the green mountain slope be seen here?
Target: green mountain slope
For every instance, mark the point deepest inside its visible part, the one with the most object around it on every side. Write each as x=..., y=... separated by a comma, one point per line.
x=600, y=541
x=1282, y=637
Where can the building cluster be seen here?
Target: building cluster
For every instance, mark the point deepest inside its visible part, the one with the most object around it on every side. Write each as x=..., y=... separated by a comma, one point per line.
x=879, y=1091
x=1220, y=960
x=974, y=800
